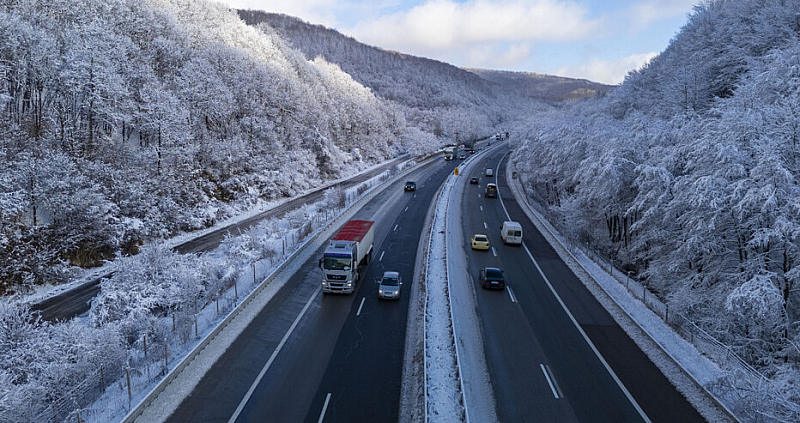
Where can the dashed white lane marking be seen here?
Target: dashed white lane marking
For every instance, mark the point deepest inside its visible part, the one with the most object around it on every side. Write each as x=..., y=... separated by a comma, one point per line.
x=381, y=257
x=324, y=408
x=358, y=313
x=511, y=294
x=551, y=380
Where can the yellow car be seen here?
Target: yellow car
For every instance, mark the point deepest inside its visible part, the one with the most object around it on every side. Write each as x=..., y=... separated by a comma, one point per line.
x=480, y=242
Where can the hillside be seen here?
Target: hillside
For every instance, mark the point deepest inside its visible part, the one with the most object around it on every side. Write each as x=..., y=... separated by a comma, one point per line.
x=434, y=94
x=687, y=176
x=544, y=87
x=126, y=121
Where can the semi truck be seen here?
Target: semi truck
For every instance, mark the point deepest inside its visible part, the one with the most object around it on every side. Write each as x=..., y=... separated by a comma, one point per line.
x=347, y=252
x=449, y=153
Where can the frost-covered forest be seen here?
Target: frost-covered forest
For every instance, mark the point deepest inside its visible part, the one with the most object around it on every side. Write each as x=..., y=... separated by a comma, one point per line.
x=687, y=175
x=125, y=121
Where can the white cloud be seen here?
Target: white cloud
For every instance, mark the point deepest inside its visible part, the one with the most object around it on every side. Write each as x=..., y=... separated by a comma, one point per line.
x=645, y=13
x=439, y=25
x=607, y=71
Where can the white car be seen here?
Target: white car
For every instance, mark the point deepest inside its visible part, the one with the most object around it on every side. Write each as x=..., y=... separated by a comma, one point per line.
x=389, y=286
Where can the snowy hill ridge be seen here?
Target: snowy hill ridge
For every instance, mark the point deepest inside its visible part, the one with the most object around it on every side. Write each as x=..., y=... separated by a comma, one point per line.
x=687, y=176
x=544, y=87
x=433, y=94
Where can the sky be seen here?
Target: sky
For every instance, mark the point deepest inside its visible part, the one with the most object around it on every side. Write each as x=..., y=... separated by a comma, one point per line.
x=599, y=40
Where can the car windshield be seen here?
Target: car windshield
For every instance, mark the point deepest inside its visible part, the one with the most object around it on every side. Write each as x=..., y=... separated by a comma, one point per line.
x=389, y=281
x=494, y=274
x=336, y=263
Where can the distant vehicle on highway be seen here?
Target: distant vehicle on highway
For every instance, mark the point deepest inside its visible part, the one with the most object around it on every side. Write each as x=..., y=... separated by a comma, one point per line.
x=511, y=232
x=491, y=190
x=348, y=251
x=480, y=242
x=462, y=156
x=474, y=180
x=489, y=171
x=389, y=286
x=492, y=277
x=410, y=186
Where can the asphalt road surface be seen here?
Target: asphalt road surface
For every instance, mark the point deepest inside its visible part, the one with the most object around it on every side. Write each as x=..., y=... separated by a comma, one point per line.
x=78, y=300
x=344, y=354
x=540, y=365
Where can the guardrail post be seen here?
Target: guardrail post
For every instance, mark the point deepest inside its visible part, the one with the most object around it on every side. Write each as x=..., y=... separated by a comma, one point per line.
x=627, y=280
x=166, y=357
x=128, y=379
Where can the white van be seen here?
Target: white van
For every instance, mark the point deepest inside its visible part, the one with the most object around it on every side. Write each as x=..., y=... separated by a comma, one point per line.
x=489, y=171
x=511, y=232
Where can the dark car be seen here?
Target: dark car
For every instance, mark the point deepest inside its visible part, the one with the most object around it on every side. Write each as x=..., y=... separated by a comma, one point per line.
x=491, y=191
x=492, y=277
x=410, y=186
x=474, y=180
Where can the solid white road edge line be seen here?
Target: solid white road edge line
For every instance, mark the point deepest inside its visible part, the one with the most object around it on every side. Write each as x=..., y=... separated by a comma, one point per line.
x=575, y=322
x=324, y=408
x=272, y=357
x=549, y=382
x=358, y=313
x=511, y=294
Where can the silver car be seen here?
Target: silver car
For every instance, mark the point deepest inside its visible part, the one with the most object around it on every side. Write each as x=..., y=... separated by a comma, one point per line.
x=389, y=286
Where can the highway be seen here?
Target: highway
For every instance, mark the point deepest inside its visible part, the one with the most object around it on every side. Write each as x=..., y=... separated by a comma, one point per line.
x=539, y=361
x=77, y=300
x=337, y=356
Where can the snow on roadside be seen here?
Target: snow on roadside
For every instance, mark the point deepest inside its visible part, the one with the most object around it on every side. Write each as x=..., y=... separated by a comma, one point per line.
x=444, y=401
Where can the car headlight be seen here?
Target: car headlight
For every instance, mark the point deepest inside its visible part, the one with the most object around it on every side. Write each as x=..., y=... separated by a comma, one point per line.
x=396, y=292
x=380, y=291
x=324, y=283
x=349, y=284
